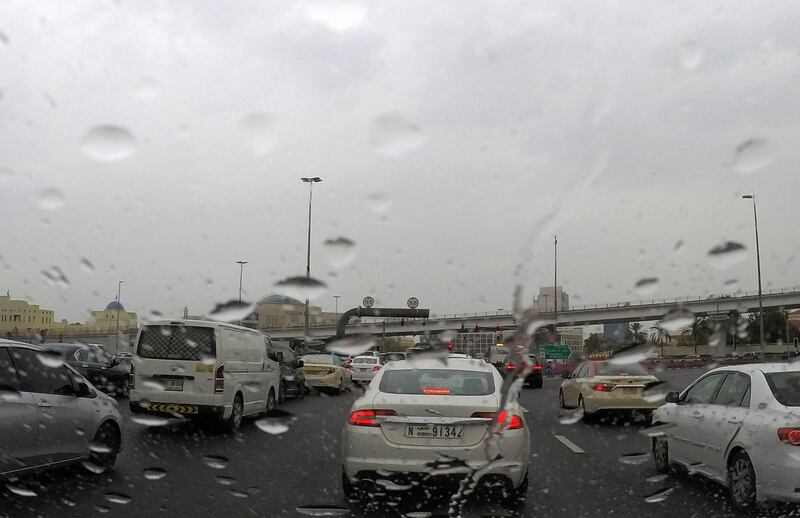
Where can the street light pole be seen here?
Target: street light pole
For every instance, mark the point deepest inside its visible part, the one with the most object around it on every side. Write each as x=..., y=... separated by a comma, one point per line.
x=336, y=298
x=758, y=263
x=241, y=273
x=119, y=302
x=555, y=287
x=310, y=181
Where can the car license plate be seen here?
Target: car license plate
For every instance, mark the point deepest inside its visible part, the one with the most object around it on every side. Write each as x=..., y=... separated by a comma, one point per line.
x=173, y=384
x=435, y=431
x=630, y=390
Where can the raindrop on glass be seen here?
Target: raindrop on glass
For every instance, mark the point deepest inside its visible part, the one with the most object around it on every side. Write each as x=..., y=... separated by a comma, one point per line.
x=677, y=320
x=153, y=384
x=301, y=288
x=659, y=496
x=66, y=501
x=322, y=510
x=259, y=130
x=691, y=56
x=117, y=498
x=154, y=473
x=378, y=203
x=352, y=345
x=225, y=480
x=634, y=458
x=87, y=265
x=5, y=175
x=4, y=38
x=108, y=143
x=655, y=479
x=752, y=155
x=148, y=420
x=94, y=468
x=569, y=417
x=52, y=359
x=336, y=15
x=216, y=461
x=271, y=426
x=646, y=286
x=51, y=199
x=726, y=255
x=393, y=135
x=237, y=493
x=634, y=355
x=340, y=252
x=231, y=311
x=20, y=490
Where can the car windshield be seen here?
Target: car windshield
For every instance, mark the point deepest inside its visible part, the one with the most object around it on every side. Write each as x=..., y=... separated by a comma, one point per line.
x=785, y=386
x=365, y=359
x=202, y=184
x=620, y=369
x=318, y=359
x=437, y=382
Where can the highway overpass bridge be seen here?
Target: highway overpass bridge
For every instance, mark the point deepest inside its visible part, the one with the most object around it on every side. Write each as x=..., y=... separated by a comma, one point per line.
x=577, y=316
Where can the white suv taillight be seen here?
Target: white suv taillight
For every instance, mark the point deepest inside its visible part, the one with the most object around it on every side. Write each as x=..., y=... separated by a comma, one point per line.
x=219, y=379
x=790, y=435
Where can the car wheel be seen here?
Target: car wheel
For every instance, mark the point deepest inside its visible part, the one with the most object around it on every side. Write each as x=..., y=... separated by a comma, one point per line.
x=234, y=422
x=282, y=392
x=340, y=390
x=538, y=384
x=125, y=391
x=271, y=401
x=516, y=498
x=561, y=402
x=586, y=415
x=661, y=453
x=301, y=391
x=348, y=488
x=741, y=481
x=104, y=449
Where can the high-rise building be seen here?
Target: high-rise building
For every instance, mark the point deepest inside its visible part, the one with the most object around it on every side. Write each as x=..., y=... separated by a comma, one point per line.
x=546, y=300
x=615, y=333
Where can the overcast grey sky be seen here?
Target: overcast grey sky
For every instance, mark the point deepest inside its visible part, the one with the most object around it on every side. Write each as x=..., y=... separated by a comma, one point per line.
x=453, y=139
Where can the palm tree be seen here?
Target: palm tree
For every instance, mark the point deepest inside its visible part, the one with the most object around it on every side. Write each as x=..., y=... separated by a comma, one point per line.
x=659, y=335
x=637, y=333
x=699, y=331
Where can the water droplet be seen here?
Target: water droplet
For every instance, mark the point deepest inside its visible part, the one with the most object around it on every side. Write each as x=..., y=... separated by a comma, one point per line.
x=388, y=485
x=419, y=514
x=216, y=461
x=51, y=199
x=336, y=15
x=5, y=175
x=252, y=386
x=352, y=345
x=154, y=473
x=9, y=395
x=271, y=426
x=225, y=480
x=752, y=155
x=87, y=265
x=659, y=496
x=94, y=468
x=657, y=478
x=301, y=288
x=726, y=255
x=657, y=431
x=232, y=311
x=678, y=245
x=378, y=203
x=260, y=132
x=101, y=509
x=148, y=89
x=535, y=325
x=569, y=417
x=98, y=447
x=4, y=38
x=634, y=458
x=322, y=510
x=55, y=276
x=237, y=493
x=108, y=143
x=20, y=490
x=635, y=355
x=52, y=359
x=117, y=498
x=340, y=252
x=393, y=135
x=66, y=501
x=646, y=286
x=153, y=384
x=677, y=319
x=149, y=420
x=692, y=56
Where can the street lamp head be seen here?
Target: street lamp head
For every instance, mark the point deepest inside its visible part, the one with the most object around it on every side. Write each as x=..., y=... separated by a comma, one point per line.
x=241, y=262
x=312, y=179
x=748, y=196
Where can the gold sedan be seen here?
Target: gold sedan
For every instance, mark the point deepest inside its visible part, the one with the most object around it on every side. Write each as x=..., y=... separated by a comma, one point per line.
x=325, y=371
x=604, y=385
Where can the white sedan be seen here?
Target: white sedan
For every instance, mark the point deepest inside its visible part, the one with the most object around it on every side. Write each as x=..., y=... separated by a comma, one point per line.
x=363, y=368
x=740, y=426
x=418, y=414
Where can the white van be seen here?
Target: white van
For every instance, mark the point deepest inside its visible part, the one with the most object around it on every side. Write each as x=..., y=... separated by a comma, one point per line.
x=203, y=369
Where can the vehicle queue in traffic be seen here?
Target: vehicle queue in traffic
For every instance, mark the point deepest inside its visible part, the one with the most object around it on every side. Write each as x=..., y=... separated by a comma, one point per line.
x=738, y=425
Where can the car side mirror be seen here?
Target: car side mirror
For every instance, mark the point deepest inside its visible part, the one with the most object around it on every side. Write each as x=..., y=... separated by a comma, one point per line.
x=672, y=397
x=279, y=355
x=83, y=389
x=300, y=363
x=566, y=375
x=114, y=361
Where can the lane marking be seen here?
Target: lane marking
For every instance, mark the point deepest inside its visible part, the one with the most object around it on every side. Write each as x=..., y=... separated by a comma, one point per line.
x=569, y=444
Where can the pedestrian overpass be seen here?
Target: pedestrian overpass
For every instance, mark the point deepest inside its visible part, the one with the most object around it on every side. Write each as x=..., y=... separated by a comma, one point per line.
x=576, y=316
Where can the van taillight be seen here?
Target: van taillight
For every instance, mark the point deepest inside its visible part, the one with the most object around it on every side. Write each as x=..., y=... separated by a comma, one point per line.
x=219, y=379
x=790, y=435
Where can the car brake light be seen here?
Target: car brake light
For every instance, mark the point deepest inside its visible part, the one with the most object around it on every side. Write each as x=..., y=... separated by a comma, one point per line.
x=349, y=367
x=604, y=387
x=367, y=417
x=537, y=367
x=790, y=435
x=376, y=369
x=219, y=379
x=434, y=391
x=515, y=424
x=510, y=366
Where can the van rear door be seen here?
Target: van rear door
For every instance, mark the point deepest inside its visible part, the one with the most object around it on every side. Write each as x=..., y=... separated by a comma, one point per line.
x=176, y=359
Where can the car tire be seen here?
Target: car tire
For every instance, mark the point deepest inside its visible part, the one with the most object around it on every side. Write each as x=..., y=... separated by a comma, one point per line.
x=516, y=498
x=586, y=415
x=271, y=400
x=301, y=390
x=107, y=437
x=561, y=403
x=741, y=481
x=125, y=391
x=661, y=454
x=282, y=392
x=348, y=488
x=340, y=390
x=234, y=422
x=538, y=384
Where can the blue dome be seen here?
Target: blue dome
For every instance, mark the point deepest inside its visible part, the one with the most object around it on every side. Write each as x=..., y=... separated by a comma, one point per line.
x=115, y=305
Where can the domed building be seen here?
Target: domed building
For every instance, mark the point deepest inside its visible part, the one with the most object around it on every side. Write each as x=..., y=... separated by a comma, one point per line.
x=276, y=311
x=105, y=321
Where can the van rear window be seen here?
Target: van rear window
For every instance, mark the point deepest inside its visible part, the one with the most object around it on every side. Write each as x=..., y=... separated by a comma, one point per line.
x=176, y=342
x=785, y=386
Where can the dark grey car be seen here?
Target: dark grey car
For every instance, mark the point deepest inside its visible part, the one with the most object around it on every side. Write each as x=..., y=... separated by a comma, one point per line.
x=293, y=381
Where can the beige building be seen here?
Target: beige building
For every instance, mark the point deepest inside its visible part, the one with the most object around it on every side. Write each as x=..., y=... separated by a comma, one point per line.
x=545, y=302
x=573, y=337
x=18, y=317
x=105, y=321
x=278, y=312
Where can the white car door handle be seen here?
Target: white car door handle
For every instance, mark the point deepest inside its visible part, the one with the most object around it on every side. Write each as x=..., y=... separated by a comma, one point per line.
x=44, y=404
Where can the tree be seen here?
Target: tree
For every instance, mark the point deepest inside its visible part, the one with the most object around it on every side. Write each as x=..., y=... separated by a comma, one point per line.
x=774, y=326
x=595, y=343
x=637, y=334
x=659, y=335
x=699, y=332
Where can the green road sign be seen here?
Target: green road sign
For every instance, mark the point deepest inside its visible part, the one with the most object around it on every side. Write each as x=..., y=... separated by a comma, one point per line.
x=557, y=352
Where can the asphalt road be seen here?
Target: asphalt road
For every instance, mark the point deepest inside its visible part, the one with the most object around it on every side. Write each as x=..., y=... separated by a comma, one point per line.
x=188, y=469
